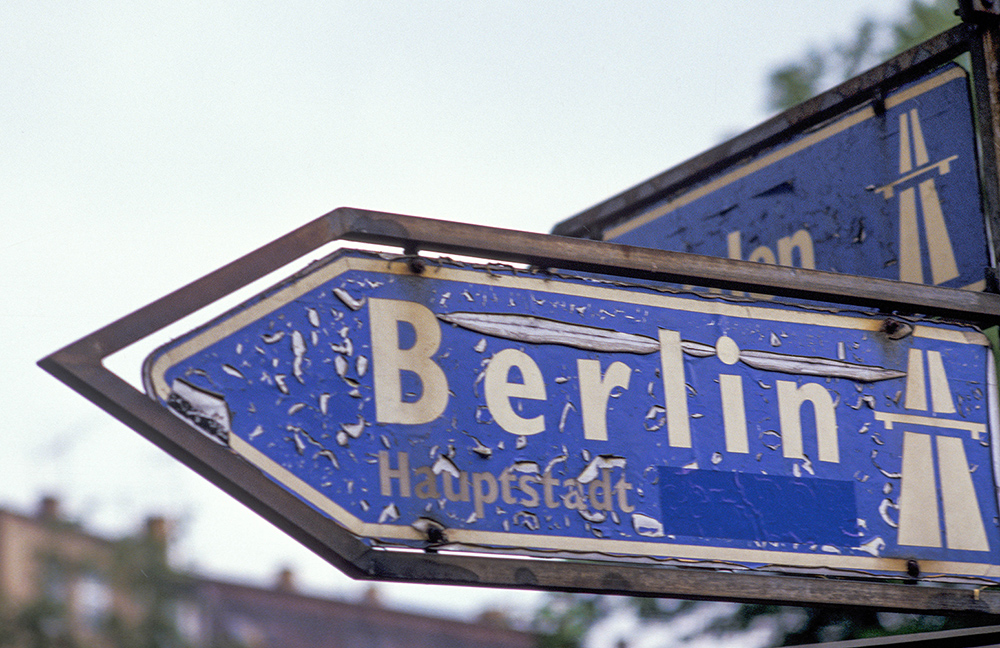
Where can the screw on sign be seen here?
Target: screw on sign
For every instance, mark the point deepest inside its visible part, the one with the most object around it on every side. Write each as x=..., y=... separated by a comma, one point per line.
x=492, y=409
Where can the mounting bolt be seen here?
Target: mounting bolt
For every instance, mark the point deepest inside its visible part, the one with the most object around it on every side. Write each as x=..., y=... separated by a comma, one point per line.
x=895, y=330
x=890, y=326
x=434, y=532
x=913, y=569
x=992, y=280
x=416, y=265
x=878, y=102
x=435, y=535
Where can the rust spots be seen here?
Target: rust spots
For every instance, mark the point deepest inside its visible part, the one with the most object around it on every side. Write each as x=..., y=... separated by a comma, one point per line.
x=895, y=330
x=416, y=265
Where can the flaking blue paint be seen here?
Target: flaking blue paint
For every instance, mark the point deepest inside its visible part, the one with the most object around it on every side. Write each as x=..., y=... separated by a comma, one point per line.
x=765, y=508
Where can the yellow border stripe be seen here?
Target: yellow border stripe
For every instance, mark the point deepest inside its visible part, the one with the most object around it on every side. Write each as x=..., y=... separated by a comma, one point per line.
x=653, y=549
x=709, y=307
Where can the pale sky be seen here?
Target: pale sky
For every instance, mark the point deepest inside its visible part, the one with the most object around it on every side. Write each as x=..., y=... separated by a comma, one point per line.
x=146, y=144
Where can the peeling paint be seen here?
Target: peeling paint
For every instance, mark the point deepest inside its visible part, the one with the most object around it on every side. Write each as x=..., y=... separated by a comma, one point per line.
x=348, y=300
x=537, y=330
x=444, y=464
x=389, y=514
x=715, y=403
x=271, y=338
x=599, y=463
x=883, y=510
x=233, y=371
x=647, y=526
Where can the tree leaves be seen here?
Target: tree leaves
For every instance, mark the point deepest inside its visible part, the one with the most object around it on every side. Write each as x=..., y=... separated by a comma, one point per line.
x=872, y=42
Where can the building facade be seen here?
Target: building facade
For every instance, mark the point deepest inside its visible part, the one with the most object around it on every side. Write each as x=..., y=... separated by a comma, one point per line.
x=61, y=585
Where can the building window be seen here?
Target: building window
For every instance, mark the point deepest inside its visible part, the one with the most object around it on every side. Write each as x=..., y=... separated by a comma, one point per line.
x=92, y=601
x=187, y=617
x=245, y=631
x=55, y=581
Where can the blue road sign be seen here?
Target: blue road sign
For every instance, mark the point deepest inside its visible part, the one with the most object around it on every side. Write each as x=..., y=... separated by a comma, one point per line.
x=493, y=409
x=893, y=194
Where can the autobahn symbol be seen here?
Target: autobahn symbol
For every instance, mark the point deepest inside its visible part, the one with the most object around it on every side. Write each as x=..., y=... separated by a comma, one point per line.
x=913, y=153
x=488, y=408
x=919, y=519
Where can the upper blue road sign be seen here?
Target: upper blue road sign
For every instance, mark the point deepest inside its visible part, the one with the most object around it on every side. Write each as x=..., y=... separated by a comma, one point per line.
x=491, y=409
x=893, y=195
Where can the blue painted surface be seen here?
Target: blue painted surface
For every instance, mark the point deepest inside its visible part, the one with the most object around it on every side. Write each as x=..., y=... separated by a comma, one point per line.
x=766, y=508
x=297, y=377
x=846, y=187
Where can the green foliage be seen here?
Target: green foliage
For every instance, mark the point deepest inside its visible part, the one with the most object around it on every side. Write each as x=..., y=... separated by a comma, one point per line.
x=794, y=626
x=924, y=20
x=872, y=42
x=564, y=619
x=141, y=568
x=794, y=83
x=40, y=624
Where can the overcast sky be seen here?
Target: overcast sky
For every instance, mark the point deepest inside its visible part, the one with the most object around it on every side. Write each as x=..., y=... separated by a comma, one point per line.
x=145, y=144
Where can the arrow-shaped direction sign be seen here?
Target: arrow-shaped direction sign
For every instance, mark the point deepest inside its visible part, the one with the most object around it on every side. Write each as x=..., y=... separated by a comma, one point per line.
x=404, y=416
x=485, y=408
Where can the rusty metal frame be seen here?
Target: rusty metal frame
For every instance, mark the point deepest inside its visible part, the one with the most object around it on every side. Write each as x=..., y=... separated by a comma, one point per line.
x=959, y=638
x=977, y=34
x=80, y=365
x=984, y=47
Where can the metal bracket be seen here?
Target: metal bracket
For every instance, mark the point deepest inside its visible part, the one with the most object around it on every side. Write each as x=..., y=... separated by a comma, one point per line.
x=878, y=101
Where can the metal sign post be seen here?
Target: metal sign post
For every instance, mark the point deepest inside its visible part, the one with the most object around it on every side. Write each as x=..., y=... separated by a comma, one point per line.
x=425, y=421
x=984, y=47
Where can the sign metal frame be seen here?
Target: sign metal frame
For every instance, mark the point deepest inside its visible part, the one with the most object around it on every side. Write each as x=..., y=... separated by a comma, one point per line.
x=80, y=365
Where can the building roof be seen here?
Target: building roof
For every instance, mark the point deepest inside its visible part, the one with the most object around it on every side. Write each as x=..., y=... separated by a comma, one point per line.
x=291, y=619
